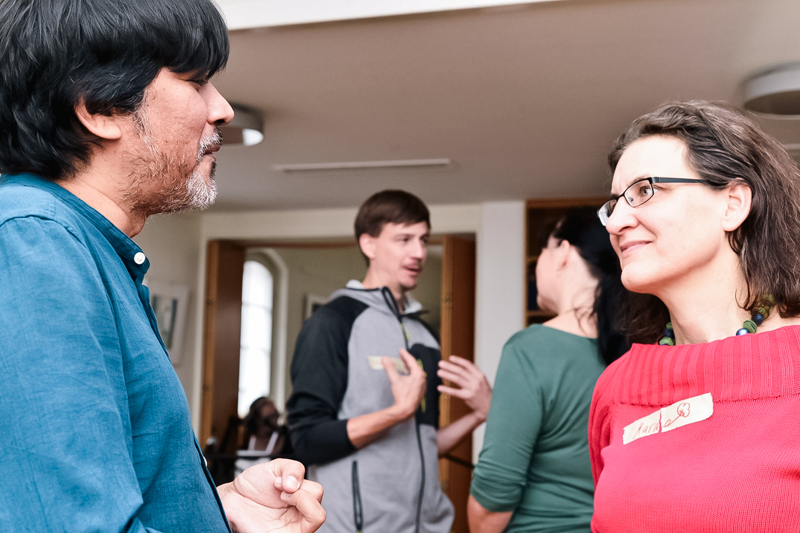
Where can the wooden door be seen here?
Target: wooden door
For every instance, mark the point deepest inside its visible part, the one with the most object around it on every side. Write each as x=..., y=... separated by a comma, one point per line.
x=457, y=338
x=221, y=340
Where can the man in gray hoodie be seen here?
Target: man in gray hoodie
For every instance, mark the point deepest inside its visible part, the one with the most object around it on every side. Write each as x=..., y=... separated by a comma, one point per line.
x=366, y=376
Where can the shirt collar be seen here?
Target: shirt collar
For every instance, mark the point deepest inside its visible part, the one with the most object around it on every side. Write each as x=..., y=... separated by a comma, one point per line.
x=131, y=254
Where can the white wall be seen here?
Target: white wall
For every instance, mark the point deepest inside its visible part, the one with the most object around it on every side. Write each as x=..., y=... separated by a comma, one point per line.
x=500, y=286
x=176, y=245
x=500, y=296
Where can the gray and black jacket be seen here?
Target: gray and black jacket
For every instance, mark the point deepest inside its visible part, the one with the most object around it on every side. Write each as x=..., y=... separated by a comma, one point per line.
x=392, y=485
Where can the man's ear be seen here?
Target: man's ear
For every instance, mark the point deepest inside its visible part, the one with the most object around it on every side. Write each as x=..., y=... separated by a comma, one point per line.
x=106, y=127
x=367, y=244
x=738, y=198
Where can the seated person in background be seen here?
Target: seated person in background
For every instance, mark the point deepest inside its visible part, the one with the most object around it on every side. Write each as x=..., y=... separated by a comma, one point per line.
x=534, y=473
x=263, y=439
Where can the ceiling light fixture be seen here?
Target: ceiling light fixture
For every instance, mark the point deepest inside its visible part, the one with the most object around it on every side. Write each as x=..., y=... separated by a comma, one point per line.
x=246, y=128
x=775, y=93
x=361, y=165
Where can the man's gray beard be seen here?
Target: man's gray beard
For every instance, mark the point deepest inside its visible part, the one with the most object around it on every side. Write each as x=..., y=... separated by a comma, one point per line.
x=201, y=195
x=156, y=167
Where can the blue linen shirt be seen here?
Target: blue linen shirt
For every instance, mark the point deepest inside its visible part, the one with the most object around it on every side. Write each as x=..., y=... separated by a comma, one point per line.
x=95, y=432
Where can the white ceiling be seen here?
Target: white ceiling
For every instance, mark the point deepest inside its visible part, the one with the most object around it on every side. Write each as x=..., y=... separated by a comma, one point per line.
x=525, y=100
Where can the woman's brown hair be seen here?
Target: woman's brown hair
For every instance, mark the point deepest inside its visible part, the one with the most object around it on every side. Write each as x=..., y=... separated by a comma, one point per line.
x=724, y=146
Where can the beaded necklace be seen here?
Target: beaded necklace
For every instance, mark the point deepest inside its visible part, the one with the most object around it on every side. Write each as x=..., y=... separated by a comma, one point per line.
x=748, y=326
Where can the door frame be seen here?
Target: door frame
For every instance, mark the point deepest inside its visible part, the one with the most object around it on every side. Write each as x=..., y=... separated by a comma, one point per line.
x=222, y=291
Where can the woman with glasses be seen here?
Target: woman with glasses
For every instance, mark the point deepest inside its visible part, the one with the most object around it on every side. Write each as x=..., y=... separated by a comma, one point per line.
x=533, y=473
x=698, y=427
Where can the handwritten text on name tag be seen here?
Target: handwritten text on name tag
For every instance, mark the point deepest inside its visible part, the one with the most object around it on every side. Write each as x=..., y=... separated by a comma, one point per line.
x=678, y=414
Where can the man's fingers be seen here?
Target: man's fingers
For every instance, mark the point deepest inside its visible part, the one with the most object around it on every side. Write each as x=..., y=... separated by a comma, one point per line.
x=459, y=360
x=456, y=363
x=307, y=503
x=287, y=484
x=410, y=361
x=313, y=488
x=288, y=474
x=391, y=371
x=470, y=371
x=458, y=393
x=457, y=378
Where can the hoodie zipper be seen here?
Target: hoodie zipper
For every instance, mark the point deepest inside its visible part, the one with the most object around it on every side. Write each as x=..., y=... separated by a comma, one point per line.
x=358, y=511
x=392, y=303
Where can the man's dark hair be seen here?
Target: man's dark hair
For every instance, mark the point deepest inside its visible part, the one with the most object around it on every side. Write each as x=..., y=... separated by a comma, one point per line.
x=725, y=147
x=56, y=54
x=389, y=207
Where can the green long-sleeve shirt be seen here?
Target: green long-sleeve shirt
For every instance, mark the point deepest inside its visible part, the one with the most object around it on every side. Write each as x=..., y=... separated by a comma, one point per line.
x=535, y=456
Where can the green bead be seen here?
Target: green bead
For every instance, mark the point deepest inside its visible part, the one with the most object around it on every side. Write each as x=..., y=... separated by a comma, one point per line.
x=666, y=341
x=669, y=325
x=750, y=326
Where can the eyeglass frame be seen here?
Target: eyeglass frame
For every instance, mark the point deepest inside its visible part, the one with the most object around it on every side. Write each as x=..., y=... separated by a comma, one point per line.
x=603, y=213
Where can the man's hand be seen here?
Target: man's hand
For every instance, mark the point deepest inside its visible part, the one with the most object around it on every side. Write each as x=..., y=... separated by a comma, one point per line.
x=273, y=497
x=474, y=388
x=407, y=390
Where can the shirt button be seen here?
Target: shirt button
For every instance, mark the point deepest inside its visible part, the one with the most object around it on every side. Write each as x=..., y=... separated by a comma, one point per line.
x=139, y=258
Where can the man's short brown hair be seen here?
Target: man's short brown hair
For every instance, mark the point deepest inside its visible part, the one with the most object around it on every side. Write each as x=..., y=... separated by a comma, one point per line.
x=389, y=207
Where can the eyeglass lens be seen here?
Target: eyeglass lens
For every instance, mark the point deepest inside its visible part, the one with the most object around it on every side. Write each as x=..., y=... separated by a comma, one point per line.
x=636, y=194
x=639, y=192
x=604, y=213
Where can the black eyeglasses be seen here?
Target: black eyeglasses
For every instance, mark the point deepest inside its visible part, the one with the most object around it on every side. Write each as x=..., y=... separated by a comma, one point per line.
x=639, y=192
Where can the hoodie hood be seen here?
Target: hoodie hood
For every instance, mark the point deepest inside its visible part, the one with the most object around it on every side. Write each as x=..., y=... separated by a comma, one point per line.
x=380, y=299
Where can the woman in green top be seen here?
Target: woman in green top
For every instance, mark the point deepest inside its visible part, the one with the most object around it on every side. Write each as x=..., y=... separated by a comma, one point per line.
x=533, y=473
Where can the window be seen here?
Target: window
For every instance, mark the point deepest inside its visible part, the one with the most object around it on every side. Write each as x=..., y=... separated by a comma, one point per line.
x=256, y=337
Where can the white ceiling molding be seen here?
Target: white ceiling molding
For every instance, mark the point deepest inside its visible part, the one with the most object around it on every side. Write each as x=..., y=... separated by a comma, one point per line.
x=361, y=165
x=245, y=14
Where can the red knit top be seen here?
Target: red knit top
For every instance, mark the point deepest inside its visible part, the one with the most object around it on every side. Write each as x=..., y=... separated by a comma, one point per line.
x=699, y=438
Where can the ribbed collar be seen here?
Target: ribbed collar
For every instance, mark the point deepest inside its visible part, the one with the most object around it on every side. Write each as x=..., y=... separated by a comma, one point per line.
x=760, y=365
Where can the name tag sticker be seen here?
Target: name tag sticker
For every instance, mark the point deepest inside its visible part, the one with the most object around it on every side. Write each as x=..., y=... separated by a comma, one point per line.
x=677, y=415
x=375, y=363
x=643, y=427
x=686, y=412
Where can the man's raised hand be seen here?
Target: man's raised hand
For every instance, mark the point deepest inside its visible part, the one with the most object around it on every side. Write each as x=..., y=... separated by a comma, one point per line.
x=408, y=390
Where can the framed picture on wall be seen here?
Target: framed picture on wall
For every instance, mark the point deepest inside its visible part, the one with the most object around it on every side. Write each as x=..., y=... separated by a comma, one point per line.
x=313, y=302
x=170, y=302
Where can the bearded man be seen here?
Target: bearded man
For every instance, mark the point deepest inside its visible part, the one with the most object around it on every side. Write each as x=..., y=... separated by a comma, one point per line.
x=107, y=116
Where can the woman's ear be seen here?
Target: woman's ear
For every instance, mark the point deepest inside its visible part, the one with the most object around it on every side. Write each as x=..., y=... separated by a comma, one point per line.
x=738, y=199
x=562, y=252
x=106, y=127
